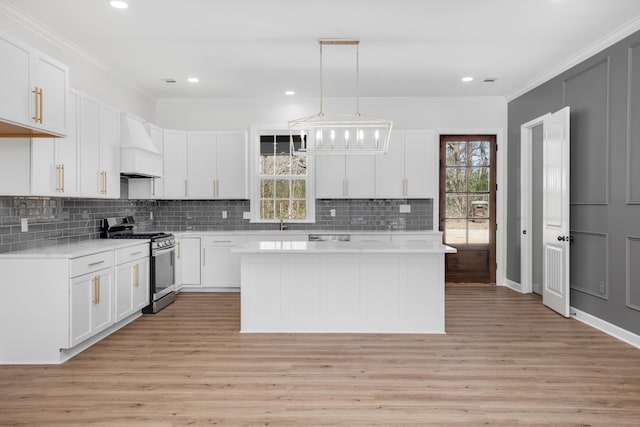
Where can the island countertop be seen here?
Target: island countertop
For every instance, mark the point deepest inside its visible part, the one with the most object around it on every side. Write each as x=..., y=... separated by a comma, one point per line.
x=270, y=246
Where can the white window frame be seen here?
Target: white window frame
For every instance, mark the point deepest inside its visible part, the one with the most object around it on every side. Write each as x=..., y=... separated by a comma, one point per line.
x=254, y=175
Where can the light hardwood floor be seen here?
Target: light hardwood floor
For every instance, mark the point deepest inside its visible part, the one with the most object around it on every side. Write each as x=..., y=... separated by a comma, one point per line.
x=506, y=359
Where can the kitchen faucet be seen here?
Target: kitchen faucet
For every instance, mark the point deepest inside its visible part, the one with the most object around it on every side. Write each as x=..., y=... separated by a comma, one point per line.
x=283, y=226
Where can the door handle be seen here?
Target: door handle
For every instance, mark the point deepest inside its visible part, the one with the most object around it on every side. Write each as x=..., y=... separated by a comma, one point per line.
x=561, y=238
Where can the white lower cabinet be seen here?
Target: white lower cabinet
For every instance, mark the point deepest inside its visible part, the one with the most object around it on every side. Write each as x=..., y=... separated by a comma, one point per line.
x=132, y=280
x=91, y=297
x=221, y=267
x=187, y=262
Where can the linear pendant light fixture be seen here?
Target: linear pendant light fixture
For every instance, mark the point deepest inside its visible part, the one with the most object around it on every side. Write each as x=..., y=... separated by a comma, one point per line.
x=341, y=134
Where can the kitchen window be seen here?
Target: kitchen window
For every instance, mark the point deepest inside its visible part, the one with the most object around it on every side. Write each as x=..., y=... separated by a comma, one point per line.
x=283, y=181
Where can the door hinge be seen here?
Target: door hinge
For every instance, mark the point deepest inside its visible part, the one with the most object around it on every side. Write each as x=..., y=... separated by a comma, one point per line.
x=496, y=187
x=496, y=147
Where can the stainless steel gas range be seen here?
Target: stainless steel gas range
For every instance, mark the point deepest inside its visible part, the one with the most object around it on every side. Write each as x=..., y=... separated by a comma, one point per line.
x=162, y=280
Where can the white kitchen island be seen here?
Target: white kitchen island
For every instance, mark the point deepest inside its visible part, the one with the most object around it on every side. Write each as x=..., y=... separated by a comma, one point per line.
x=348, y=287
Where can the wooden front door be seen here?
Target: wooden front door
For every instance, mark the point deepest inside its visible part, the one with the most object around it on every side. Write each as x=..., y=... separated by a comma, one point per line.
x=468, y=206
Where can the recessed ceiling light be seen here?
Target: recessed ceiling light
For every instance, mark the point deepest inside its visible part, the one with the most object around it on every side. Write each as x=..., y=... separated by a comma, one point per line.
x=119, y=4
x=467, y=79
x=193, y=80
x=289, y=92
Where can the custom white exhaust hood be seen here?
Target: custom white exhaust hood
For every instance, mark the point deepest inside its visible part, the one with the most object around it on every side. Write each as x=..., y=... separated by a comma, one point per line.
x=139, y=157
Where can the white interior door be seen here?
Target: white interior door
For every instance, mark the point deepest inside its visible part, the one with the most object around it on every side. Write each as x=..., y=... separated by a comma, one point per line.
x=555, y=212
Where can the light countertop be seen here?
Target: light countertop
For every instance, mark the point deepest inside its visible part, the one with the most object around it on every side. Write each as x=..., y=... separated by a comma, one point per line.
x=74, y=250
x=269, y=246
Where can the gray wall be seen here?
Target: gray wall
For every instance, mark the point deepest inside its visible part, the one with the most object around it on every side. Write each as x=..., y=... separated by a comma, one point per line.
x=604, y=95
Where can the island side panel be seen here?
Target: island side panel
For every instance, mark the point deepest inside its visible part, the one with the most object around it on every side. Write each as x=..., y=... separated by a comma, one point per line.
x=321, y=292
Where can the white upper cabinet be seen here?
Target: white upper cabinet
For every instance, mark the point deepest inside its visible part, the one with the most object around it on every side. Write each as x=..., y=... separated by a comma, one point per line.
x=175, y=164
x=204, y=165
x=345, y=177
x=231, y=165
x=34, y=90
x=110, y=151
x=99, y=149
x=201, y=165
x=410, y=167
x=54, y=161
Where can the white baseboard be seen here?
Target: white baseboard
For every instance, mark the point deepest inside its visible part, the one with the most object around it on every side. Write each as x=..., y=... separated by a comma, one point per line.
x=606, y=327
x=187, y=288
x=537, y=288
x=512, y=285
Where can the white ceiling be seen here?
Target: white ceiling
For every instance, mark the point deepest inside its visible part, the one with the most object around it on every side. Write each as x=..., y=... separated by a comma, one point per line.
x=260, y=48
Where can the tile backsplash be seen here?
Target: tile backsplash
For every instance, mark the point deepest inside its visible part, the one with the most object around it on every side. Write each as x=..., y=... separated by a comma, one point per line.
x=53, y=221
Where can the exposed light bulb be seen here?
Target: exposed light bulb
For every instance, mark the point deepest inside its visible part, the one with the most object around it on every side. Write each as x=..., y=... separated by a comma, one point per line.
x=346, y=139
x=333, y=138
x=302, y=143
x=193, y=80
x=360, y=138
x=318, y=138
x=376, y=139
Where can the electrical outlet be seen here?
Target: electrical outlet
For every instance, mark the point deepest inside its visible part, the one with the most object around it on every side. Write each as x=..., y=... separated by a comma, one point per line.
x=24, y=224
x=246, y=215
x=85, y=215
x=405, y=208
x=602, y=288
x=151, y=216
x=332, y=212
x=224, y=214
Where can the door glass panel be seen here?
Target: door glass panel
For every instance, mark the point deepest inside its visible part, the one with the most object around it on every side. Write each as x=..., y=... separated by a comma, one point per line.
x=479, y=231
x=456, y=205
x=455, y=231
x=456, y=180
x=479, y=206
x=456, y=153
x=478, y=180
x=479, y=153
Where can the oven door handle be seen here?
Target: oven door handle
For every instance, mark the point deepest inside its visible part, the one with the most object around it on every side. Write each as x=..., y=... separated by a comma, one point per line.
x=161, y=251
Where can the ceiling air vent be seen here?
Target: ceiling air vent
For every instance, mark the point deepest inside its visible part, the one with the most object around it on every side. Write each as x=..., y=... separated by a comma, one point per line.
x=490, y=80
x=170, y=81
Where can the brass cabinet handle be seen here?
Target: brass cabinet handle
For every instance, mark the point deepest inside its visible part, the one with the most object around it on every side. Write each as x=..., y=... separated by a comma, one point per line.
x=222, y=241
x=106, y=182
x=153, y=187
x=98, y=277
x=58, y=186
x=204, y=257
x=95, y=263
x=95, y=290
x=136, y=269
x=217, y=188
x=35, y=104
x=40, y=101
x=62, y=174
x=135, y=253
x=185, y=188
x=179, y=251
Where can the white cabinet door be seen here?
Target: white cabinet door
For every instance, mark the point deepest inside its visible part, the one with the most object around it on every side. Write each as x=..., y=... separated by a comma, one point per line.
x=102, y=309
x=33, y=87
x=421, y=164
x=81, y=300
x=201, y=165
x=54, y=161
x=141, y=275
x=231, y=161
x=91, y=310
x=175, y=164
x=15, y=87
x=221, y=267
x=110, y=151
x=360, y=177
x=390, y=169
x=188, y=261
x=132, y=287
x=91, y=178
x=50, y=77
x=330, y=177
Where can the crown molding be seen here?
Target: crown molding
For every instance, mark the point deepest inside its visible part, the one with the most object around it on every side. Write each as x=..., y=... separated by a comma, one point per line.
x=14, y=13
x=597, y=47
